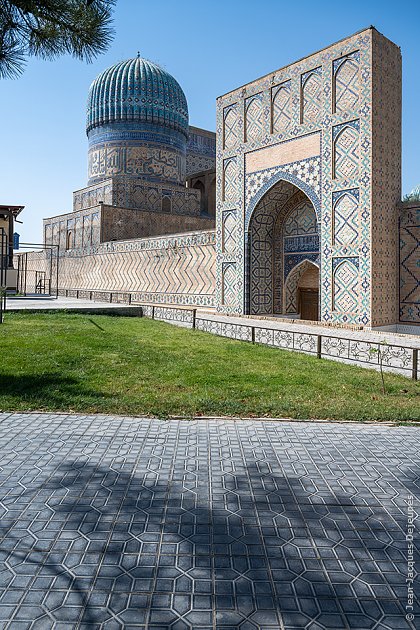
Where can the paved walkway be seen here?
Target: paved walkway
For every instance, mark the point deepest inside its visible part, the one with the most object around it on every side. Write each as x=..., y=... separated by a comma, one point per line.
x=48, y=303
x=113, y=522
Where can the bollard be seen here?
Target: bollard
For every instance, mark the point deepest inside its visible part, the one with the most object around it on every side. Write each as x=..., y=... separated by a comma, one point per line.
x=318, y=346
x=414, y=371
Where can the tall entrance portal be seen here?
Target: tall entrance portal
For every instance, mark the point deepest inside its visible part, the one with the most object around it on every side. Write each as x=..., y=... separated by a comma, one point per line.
x=317, y=136
x=283, y=255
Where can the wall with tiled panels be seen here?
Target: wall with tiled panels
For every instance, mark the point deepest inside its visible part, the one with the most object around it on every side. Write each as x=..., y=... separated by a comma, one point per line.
x=330, y=93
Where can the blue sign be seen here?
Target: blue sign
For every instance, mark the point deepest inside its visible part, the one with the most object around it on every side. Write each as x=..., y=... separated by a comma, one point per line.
x=16, y=238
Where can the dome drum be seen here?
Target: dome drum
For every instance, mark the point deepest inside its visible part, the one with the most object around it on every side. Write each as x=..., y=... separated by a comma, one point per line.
x=152, y=162
x=156, y=154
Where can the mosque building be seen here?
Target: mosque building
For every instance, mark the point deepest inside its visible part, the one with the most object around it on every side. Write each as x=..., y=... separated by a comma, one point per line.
x=292, y=208
x=149, y=173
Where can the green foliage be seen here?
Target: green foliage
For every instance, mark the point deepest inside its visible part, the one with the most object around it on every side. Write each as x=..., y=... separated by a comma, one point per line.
x=136, y=366
x=414, y=195
x=49, y=28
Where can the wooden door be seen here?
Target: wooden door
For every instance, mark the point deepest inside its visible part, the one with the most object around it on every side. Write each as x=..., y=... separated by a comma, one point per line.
x=309, y=299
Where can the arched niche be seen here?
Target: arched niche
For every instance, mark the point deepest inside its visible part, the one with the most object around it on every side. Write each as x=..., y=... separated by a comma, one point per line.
x=283, y=231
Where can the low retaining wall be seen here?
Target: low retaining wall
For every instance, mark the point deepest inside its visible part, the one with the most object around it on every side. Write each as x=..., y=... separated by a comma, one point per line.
x=352, y=347
x=176, y=269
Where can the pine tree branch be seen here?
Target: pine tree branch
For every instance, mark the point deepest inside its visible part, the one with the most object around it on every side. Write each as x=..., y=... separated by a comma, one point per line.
x=49, y=28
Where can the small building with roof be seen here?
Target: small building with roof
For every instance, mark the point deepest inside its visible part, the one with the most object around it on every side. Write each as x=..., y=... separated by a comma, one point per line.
x=8, y=241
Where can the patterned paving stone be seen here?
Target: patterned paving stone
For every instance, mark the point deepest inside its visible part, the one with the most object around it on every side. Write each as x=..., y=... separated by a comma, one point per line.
x=113, y=522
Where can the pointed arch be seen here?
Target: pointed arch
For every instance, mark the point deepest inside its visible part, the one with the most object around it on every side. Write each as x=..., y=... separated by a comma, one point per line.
x=346, y=86
x=282, y=176
x=292, y=284
x=254, y=122
x=311, y=96
x=280, y=108
x=272, y=251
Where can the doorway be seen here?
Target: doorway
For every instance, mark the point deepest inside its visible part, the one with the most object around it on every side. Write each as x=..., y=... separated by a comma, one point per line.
x=309, y=301
x=308, y=293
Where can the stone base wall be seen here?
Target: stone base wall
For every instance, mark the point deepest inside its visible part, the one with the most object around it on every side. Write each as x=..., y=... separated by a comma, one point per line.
x=176, y=269
x=401, y=329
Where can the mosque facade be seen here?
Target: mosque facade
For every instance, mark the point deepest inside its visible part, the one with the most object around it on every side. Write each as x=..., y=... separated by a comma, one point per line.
x=293, y=208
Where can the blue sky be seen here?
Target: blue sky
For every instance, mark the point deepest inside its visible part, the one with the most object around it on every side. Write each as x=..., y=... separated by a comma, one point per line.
x=210, y=48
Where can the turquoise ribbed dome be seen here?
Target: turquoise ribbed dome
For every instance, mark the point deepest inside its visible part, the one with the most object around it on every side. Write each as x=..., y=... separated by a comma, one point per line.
x=137, y=90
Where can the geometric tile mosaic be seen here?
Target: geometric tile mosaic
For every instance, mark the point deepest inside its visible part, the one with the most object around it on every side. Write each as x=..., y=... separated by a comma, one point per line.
x=254, y=118
x=229, y=283
x=301, y=221
x=282, y=222
x=300, y=234
x=143, y=524
x=311, y=95
x=291, y=286
x=306, y=171
x=346, y=285
x=229, y=228
x=293, y=260
x=230, y=130
x=346, y=217
x=410, y=266
x=346, y=83
x=229, y=179
x=265, y=262
x=281, y=107
x=338, y=95
x=346, y=150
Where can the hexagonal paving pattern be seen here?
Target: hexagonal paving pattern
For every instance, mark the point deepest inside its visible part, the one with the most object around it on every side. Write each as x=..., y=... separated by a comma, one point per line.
x=113, y=522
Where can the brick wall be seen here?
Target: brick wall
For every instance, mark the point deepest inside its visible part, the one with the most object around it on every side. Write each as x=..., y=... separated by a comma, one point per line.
x=175, y=269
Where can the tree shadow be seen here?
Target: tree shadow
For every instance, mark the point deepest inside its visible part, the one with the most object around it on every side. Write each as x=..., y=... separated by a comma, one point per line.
x=145, y=544
x=52, y=390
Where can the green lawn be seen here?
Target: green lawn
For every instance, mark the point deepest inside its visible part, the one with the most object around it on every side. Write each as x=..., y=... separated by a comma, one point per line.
x=123, y=365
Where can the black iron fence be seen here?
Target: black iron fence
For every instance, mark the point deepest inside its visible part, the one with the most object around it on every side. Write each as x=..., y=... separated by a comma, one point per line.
x=402, y=359
x=350, y=347
x=4, y=263
x=37, y=269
